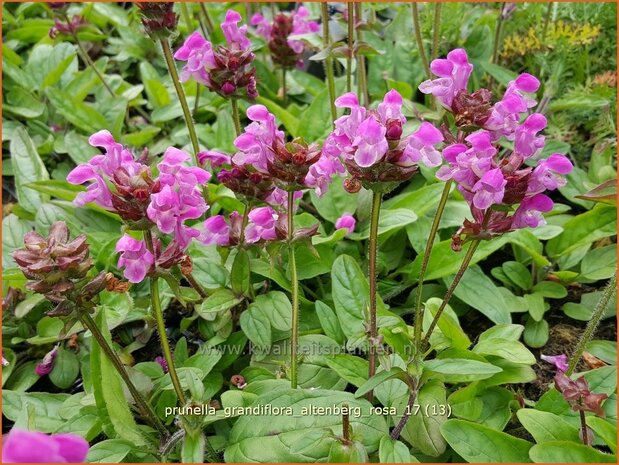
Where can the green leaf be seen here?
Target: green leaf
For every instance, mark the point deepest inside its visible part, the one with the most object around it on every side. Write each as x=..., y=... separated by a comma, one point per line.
x=277, y=308
x=546, y=426
x=477, y=290
x=381, y=377
x=605, y=430
x=77, y=113
x=350, y=367
x=568, y=452
x=240, y=276
x=28, y=167
x=519, y=274
x=13, y=230
x=536, y=333
x=600, y=263
x=290, y=122
x=392, y=451
x=78, y=147
x=66, y=368
x=507, y=331
x=390, y=220
x=218, y=301
x=256, y=326
x=109, y=395
x=423, y=428
x=501, y=74
x=550, y=290
x=457, y=370
x=48, y=63
x=192, y=450
x=350, y=294
x=267, y=438
x=536, y=305
x=513, y=351
x=579, y=101
x=329, y=322
x=584, y=229
x=33, y=410
x=21, y=102
x=108, y=451
x=480, y=444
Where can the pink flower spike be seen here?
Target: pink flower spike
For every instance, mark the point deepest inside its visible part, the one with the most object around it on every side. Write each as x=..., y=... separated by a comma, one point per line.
x=21, y=446
x=453, y=73
x=559, y=361
x=391, y=107
x=135, y=258
x=346, y=221
x=261, y=225
x=547, y=174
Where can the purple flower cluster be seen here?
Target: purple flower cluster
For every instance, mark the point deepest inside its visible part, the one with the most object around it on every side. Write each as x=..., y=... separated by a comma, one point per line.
x=490, y=182
x=125, y=186
x=371, y=144
x=286, y=50
x=225, y=70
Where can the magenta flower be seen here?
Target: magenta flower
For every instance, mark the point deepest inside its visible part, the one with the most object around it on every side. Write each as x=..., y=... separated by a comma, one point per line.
x=529, y=213
x=453, y=76
x=489, y=189
x=21, y=446
x=47, y=364
x=261, y=225
x=180, y=198
x=256, y=143
x=346, y=221
x=527, y=143
x=371, y=144
x=279, y=197
x=559, y=361
x=226, y=70
x=135, y=258
x=215, y=158
x=547, y=173
x=215, y=231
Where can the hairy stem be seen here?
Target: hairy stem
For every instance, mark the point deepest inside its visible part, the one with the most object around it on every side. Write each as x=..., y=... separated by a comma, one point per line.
x=463, y=267
x=346, y=424
x=169, y=59
x=437, y=29
x=419, y=39
x=362, y=79
x=599, y=311
x=497, y=35
x=424, y=263
x=351, y=39
x=207, y=18
x=88, y=60
x=191, y=279
x=235, y=115
x=395, y=434
x=163, y=337
x=141, y=403
x=583, y=428
x=328, y=60
x=294, y=336
x=372, y=252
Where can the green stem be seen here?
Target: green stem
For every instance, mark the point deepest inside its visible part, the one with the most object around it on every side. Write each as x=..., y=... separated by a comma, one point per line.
x=437, y=29
x=191, y=279
x=372, y=252
x=235, y=115
x=209, y=22
x=143, y=406
x=463, y=267
x=598, y=313
x=284, y=90
x=424, y=264
x=546, y=20
x=351, y=38
x=186, y=17
x=328, y=60
x=163, y=337
x=88, y=60
x=196, y=102
x=346, y=424
x=294, y=281
x=419, y=39
x=362, y=81
x=497, y=35
x=167, y=53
